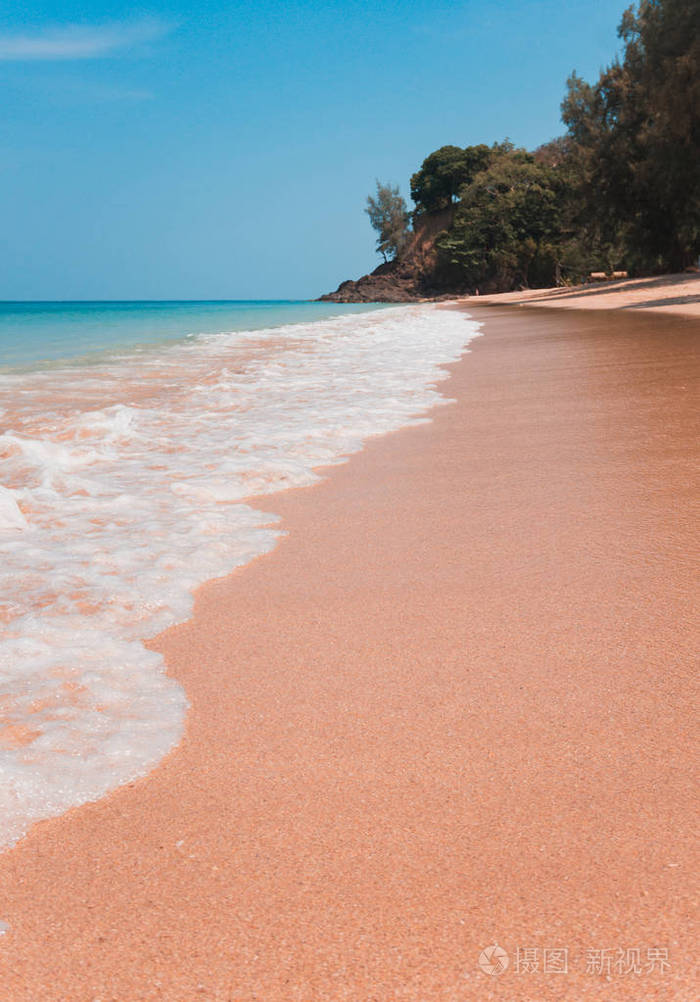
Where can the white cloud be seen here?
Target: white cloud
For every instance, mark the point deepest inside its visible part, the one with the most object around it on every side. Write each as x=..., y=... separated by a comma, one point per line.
x=77, y=41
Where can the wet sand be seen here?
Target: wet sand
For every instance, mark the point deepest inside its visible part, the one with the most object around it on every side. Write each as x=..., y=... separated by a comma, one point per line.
x=453, y=708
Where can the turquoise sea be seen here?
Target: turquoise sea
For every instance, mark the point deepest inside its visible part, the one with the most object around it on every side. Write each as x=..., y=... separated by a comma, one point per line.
x=40, y=333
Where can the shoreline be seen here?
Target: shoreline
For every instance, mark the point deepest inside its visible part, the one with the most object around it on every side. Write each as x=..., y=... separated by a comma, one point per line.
x=223, y=418
x=386, y=766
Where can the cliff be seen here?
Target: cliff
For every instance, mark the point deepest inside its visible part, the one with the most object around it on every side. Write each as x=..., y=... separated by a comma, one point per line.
x=408, y=278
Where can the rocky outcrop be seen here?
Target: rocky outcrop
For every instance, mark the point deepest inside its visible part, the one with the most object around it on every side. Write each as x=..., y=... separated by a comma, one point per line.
x=389, y=283
x=407, y=279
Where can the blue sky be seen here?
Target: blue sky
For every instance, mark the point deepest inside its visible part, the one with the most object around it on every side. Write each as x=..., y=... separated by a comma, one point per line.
x=225, y=150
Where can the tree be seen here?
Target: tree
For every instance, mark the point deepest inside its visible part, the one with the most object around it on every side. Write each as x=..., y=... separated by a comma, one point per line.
x=507, y=218
x=620, y=190
x=436, y=185
x=635, y=136
x=389, y=216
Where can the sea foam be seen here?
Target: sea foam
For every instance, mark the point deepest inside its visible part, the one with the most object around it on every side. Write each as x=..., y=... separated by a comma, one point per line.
x=125, y=486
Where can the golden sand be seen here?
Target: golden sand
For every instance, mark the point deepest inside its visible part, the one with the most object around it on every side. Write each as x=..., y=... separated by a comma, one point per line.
x=452, y=709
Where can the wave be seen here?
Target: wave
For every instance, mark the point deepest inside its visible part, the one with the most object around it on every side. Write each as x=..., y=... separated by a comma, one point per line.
x=127, y=485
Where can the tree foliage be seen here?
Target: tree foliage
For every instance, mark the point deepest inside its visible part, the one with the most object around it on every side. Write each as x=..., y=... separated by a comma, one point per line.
x=621, y=190
x=442, y=174
x=635, y=139
x=437, y=184
x=389, y=216
x=507, y=217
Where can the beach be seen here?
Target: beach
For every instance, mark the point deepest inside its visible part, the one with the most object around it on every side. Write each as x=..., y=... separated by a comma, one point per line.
x=451, y=709
x=664, y=294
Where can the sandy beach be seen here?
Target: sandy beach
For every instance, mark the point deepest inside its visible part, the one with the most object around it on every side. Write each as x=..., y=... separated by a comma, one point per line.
x=666, y=294
x=452, y=709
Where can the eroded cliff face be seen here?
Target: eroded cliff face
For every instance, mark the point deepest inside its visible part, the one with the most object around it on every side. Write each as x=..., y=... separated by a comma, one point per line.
x=407, y=279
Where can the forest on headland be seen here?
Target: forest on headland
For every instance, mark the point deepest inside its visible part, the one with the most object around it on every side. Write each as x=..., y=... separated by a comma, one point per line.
x=620, y=190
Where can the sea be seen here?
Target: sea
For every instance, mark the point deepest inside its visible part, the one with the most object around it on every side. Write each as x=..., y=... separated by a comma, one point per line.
x=135, y=438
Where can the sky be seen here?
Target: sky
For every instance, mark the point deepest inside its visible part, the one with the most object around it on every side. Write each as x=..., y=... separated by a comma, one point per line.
x=211, y=150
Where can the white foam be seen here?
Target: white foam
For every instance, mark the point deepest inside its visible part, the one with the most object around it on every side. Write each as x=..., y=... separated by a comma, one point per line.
x=124, y=489
x=10, y=515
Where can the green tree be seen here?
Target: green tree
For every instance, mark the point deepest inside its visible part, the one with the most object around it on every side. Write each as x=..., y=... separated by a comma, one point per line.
x=635, y=139
x=508, y=218
x=620, y=190
x=436, y=185
x=390, y=218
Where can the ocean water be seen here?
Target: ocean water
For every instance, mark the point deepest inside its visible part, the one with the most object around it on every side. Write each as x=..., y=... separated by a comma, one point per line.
x=46, y=333
x=134, y=439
